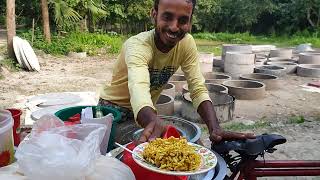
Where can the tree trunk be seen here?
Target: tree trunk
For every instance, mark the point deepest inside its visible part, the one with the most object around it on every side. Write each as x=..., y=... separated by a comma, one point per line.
x=90, y=23
x=45, y=20
x=11, y=26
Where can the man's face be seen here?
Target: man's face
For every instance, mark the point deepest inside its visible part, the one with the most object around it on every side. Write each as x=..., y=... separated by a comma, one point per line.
x=173, y=21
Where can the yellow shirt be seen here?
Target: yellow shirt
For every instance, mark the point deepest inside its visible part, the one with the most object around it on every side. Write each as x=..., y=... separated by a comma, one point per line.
x=141, y=71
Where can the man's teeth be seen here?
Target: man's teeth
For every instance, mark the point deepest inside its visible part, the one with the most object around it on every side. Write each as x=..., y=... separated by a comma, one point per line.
x=171, y=36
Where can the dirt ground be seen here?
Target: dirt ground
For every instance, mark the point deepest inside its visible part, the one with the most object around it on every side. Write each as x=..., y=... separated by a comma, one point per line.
x=60, y=74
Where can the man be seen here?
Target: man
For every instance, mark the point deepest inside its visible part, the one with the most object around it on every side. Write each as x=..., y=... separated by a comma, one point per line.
x=147, y=61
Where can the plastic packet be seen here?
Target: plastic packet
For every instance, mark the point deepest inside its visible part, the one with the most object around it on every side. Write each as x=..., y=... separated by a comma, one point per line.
x=54, y=151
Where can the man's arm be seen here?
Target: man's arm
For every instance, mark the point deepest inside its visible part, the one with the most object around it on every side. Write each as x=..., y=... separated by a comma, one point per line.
x=137, y=56
x=152, y=124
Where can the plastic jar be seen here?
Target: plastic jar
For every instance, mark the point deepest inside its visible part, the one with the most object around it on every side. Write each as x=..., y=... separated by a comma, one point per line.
x=6, y=138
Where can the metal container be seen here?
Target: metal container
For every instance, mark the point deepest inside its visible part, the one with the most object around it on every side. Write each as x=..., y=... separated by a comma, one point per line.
x=187, y=129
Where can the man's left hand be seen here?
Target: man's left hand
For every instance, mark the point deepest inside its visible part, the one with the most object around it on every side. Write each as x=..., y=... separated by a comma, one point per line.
x=217, y=135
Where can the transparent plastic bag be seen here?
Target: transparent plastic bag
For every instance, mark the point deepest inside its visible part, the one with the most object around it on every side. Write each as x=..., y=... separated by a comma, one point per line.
x=54, y=151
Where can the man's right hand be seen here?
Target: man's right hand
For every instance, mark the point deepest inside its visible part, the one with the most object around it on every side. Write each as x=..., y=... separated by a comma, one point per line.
x=152, y=124
x=152, y=131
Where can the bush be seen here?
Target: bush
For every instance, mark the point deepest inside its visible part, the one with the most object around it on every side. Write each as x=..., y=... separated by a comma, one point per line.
x=92, y=43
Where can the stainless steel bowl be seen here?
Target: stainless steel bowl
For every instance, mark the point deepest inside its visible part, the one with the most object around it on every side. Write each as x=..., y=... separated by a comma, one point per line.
x=187, y=129
x=191, y=130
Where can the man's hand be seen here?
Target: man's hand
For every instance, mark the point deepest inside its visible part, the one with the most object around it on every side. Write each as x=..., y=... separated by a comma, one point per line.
x=153, y=130
x=217, y=135
x=153, y=126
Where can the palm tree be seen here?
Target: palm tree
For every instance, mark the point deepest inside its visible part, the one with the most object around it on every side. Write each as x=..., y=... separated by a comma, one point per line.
x=93, y=10
x=64, y=15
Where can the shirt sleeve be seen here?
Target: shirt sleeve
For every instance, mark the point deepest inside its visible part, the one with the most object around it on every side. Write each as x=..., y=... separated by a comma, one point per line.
x=137, y=56
x=191, y=68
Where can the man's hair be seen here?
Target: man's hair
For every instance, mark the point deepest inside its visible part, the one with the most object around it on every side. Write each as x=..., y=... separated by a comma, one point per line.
x=156, y=4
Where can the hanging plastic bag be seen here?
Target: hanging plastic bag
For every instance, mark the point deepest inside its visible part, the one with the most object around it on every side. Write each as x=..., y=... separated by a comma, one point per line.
x=54, y=151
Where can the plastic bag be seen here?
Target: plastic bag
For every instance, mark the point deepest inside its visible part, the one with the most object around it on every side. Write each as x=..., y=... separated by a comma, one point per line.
x=108, y=168
x=106, y=120
x=105, y=168
x=55, y=151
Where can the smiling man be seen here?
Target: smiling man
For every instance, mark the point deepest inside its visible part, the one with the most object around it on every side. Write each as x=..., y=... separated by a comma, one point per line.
x=145, y=64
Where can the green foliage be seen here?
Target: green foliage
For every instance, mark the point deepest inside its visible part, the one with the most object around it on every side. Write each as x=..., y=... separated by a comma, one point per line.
x=64, y=14
x=92, y=43
x=2, y=19
x=296, y=120
x=239, y=38
x=10, y=64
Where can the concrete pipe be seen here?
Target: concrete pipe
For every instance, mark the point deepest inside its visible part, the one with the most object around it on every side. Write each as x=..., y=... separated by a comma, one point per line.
x=223, y=104
x=179, y=71
x=232, y=48
x=260, y=62
x=217, y=61
x=216, y=78
x=237, y=63
x=270, y=69
x=178, y=80
x=169, y=89
x=246, y=89
x=282, y=59
x=281, y=52
x=206, y=61
x=272, y=82
x=165, y=105
x=262, y=48
x=291, y=68
x=212, y=88
x=309, y=70
x=309, y=58
x=239, y=58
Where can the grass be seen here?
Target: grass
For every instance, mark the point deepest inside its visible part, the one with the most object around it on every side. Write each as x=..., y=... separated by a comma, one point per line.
x=211, y=42
x=296, y=119
x=243, y=127
x=10, y=64
x=92, y=43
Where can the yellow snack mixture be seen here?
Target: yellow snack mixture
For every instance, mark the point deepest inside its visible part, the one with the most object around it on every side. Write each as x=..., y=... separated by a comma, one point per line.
x=174, y=154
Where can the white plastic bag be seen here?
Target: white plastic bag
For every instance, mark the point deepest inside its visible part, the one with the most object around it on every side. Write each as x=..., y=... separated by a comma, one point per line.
x=108, y=168
x=55, y=151
x=106, y=120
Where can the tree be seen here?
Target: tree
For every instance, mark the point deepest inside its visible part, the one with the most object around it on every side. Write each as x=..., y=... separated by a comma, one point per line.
x=64, y=15
x=11, y=26
x=45, y=20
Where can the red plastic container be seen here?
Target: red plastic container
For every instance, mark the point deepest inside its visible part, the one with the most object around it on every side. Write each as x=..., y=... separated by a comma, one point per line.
x=141, y=173
x=16, y=114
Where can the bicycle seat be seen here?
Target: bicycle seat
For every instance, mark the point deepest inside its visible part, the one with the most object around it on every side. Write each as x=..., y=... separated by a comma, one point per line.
x=251, y=147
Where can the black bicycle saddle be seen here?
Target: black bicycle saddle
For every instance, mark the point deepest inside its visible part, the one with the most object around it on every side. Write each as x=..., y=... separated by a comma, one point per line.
x=251, y=147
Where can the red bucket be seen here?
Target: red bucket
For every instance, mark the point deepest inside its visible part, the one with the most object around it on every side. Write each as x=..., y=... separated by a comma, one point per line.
x=16, y=113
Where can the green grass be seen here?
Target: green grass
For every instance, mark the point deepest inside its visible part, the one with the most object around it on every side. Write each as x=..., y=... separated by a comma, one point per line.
x=296, y=119
x=10, y=64
x=211, y=42
x=243, y=127
x=92, y=43
x=239, y=38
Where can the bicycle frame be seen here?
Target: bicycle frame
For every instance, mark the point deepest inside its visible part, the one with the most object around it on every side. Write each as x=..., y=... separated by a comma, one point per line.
x=251, y=169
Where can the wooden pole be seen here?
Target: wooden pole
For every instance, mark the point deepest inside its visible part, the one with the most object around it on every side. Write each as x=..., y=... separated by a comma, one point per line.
x=32, y=37
x=11, y=26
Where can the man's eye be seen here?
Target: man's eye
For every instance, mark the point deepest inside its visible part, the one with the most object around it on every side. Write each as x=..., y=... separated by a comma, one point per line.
x=183, y=21
x=167, y=17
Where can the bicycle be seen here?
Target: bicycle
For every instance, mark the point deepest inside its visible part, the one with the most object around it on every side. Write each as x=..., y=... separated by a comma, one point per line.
x=244, y=164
